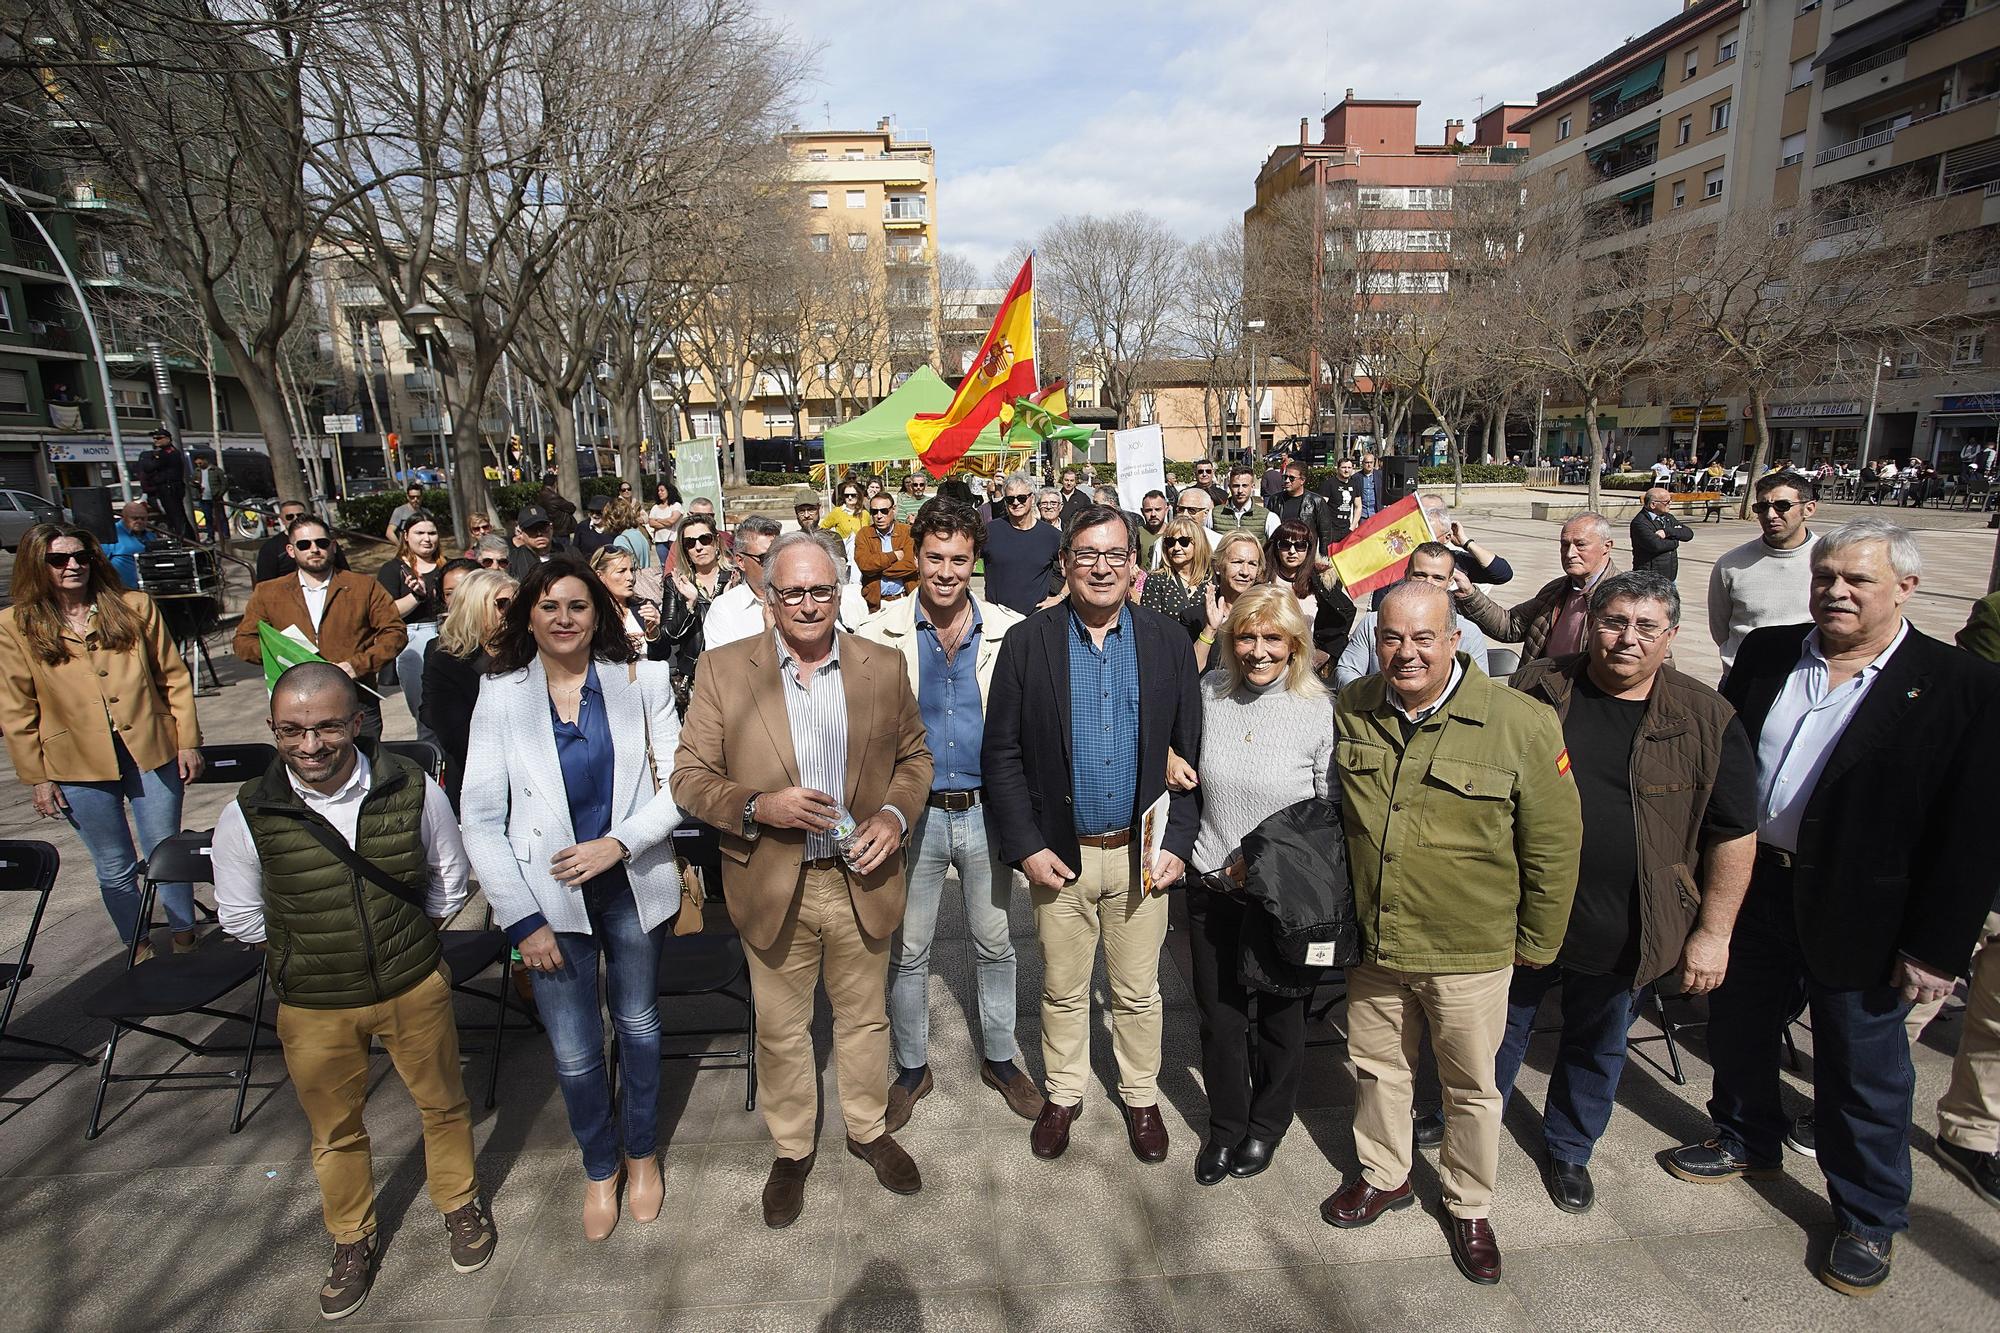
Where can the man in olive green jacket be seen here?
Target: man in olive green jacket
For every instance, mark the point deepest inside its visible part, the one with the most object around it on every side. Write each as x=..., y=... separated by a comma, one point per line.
x=1463, y=827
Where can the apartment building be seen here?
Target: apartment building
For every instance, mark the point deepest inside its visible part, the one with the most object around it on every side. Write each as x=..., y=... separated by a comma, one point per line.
x=1384, y=212
x=1660, y=132
x=873, y=195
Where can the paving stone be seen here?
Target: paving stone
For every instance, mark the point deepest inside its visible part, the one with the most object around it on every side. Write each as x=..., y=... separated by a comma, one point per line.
x=1141, y=1306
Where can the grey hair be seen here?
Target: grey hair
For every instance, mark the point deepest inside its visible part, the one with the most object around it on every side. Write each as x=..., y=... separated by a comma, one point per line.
x=1595, y=519
x=1018, y=481
x=1105, y=495
x=820, y=540
x=1637, y=585
x=1048, y=493
x=757, y=525
x=1904, y=557
x=493, y=542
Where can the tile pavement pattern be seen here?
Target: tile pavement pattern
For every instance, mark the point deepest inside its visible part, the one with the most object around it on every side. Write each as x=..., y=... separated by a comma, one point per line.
x=169, y=1222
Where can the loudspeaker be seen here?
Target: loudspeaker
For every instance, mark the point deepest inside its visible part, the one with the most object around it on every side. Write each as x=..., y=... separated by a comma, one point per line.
x=1401, y=470
x=91, y=508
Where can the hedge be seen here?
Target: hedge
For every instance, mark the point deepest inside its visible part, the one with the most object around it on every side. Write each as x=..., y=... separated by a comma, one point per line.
x=1476, y=474
x=779, y=479
x=370, y=513
x=1627, y=481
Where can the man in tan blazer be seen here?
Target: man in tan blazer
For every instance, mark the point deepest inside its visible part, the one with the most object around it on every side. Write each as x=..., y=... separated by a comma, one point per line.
x=785, y=730
x=349, y=618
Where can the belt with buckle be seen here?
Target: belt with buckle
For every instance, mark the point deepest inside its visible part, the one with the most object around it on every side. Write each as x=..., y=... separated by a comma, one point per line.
x=956, y=802
x=823, y=863
x=1106, y=841
x=1776, y=854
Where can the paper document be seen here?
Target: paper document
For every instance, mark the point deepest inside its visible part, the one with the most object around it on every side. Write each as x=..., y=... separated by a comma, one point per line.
x=1152, y=841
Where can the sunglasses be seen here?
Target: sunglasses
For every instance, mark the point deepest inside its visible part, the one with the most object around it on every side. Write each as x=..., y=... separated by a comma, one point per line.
x=492, y=562
x=881, y=509
x=57, y=559
x=1177, y=541
x=502, y=603
x=1018, y=499
x=701, y=539
x=1779, y=507
x=312, y=543
x=1191, y=511
x=821, y=593
x=1294, y=546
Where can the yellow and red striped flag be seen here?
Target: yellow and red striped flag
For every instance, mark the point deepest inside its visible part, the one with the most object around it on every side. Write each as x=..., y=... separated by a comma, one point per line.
x=1376, y=553
x=1003, y=371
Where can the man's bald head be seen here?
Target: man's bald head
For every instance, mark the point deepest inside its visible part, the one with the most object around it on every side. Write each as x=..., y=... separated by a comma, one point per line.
x=1419, y=603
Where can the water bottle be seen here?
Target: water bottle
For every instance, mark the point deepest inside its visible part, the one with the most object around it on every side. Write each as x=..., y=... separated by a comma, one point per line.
x=842, y=832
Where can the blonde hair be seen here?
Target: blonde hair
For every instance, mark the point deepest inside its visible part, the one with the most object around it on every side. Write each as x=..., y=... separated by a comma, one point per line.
x=1271, y=605
x=473, y=616
x=1197, y=564
x=1240, y=537
x=604, y=555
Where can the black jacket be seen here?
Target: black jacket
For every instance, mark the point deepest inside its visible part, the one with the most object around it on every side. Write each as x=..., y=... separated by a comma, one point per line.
x=451, y=689
x=1893, y=852
x=1296, y=864
x=1656, y=540
x=1025, y=757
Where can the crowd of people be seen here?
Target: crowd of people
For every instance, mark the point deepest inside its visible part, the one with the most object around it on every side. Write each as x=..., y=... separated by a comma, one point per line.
x=1047, y=695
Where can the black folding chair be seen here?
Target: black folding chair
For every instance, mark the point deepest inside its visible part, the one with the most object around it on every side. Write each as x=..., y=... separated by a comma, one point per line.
x=694, y=966
x=233, y=765
x=29, y=867
x=467, y=954
x=168, y=985
x=423, y=754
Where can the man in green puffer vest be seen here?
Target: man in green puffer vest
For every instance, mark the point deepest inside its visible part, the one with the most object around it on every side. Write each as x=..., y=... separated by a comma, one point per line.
x=343, y=863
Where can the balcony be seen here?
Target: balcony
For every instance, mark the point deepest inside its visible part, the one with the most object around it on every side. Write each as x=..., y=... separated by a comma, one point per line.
x=909, y=298
x=1836, y=77
x=1603, y=113
x=361, y=296
x=904, y=257
x=420, y=381
x=1853, y=146
x=1628, y=152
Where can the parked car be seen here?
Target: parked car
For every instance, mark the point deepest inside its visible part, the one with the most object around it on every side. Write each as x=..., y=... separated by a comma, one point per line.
x=21, y=510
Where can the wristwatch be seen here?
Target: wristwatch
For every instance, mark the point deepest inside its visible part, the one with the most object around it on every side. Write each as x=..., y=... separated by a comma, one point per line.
x=751, y=832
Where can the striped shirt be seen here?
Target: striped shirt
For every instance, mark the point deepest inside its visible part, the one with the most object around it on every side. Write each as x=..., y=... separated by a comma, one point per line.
x=817, y=712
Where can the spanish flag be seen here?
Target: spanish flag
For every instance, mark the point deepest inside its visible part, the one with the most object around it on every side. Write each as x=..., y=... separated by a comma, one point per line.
x=1004, y=371
x=1376, y=553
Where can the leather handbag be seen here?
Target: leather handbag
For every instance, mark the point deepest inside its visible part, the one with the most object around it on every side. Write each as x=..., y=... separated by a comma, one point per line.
x=688, y=920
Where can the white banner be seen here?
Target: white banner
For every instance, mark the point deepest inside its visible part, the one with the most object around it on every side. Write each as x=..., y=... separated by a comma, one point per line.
x=1142, y=464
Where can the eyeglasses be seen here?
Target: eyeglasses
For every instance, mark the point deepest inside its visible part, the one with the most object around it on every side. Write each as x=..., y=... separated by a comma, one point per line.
x=312, y=543
x=1092, y=559
x=288, y=734
x=502, y=603
x=1177, y=541
x=821, y=593
x=1615, y=626
x=1294, y=546
x=57, y=559
x=1018, y=499
x=1191, y=511
x=881, y=509
x=1779, y=507
x=1052, y=504
x=492, y=562
x=701, y=539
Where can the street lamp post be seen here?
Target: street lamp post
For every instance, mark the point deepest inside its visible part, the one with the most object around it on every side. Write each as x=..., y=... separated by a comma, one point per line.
x=423, y=318
x=1251, y=328
x=1868, y=431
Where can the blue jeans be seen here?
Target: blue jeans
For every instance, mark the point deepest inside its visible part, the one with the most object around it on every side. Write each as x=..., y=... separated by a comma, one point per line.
x=410, y=673
x=1863, y=1081
x=946, y=838
x=1597, y=1012
x=97, y=813
x=572, y=1011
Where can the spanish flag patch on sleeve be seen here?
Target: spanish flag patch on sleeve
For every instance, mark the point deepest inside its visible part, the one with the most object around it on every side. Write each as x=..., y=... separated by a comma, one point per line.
x=1562, y=762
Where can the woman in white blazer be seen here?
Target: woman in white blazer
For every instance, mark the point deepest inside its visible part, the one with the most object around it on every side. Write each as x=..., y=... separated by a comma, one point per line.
x=571, y=832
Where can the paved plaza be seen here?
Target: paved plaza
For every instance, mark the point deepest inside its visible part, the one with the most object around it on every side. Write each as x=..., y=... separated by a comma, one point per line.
x=170, y=1222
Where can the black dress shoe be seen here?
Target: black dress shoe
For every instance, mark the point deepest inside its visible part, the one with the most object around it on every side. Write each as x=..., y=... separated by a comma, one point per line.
x=1428, y=1129
x=1252, y=1155
x=1854, y=1266
x=1212, y=1163
x=1568, y=1184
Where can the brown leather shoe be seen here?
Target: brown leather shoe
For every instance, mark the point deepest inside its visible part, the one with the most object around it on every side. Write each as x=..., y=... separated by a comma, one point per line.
x=1358, y=1203
x=600, y=1206
x=645, y=1187
x=893, y=1166
x=785, y=1191
x=1474, y=1249
x=902, y=1100
x=1051, y=1133
x=1147, y=1132
x=1024, y=1099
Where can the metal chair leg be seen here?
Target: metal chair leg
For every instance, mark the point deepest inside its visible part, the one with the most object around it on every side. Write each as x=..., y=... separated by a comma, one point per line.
x=1673, y=1047
x=250, y=1050
x=103, y=1083
x=499, y=1026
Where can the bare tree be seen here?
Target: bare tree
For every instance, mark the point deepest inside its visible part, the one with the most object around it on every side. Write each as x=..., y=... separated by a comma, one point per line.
x=1208, y=326
x=1113, y=281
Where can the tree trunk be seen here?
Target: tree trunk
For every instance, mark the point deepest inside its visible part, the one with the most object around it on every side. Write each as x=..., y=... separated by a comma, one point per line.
x=629, y=414
x=260, y=381
x=738, y=473
x=1595, y=494
x=1753, y=463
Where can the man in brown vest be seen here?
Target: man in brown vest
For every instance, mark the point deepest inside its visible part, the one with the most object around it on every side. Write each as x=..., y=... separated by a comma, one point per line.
x=883, y=554
x=1669, y=789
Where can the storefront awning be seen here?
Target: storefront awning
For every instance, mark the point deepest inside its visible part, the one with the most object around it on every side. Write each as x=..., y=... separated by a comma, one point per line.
x=1888, y=26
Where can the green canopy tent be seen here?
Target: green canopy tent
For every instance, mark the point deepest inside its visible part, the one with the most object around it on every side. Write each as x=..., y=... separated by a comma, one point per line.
x=877, y=435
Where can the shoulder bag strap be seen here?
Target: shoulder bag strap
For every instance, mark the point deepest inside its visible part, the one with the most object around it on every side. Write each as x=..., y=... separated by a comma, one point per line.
x=646, y=714
x=327, y=837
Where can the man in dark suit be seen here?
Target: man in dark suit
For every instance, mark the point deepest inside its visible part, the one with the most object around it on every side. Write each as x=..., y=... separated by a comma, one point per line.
x=1067, y=791
x=1877, y=754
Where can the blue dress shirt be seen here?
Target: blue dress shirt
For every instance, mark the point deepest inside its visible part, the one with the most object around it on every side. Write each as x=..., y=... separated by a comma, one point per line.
x=1104, y=725
x=588, y=759
x=948, y=698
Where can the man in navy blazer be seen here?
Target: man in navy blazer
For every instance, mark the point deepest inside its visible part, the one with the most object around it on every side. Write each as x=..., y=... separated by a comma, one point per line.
x=1086, y=699
x=1877, y=754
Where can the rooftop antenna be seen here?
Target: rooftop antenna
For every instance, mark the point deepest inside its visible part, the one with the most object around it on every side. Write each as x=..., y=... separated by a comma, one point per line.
x=827, y=107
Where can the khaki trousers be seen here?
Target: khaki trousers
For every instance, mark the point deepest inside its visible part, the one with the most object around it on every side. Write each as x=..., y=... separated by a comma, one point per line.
x=1969, y=1111
x=825, y=935
x=1467, y=1014
x=1103, y=902
x=326, y=1054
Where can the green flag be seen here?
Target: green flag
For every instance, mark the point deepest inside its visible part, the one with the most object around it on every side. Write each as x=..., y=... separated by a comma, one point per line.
x=281, y=652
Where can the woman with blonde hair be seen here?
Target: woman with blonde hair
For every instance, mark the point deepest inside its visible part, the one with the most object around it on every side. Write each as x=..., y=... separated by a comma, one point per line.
x=618, y=571
x=1174, y=588
x=627, y=525
x=700, y=572
x=98, y=711
x=1238, y=567
x=1267, y=744
x=455, y=661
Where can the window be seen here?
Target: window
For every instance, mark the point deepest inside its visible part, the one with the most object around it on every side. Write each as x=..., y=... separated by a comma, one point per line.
x=857, y=240
x=1371, y=197
x=1145, y=409
x=1433, y=283
x=821, y=243
x=1725, y=47
x=857, y=198
x=1562, y=180
x=1437, y=198
x=861, y=372
x=1801, y=72
x=130, y=399
x=1711, y=183
x=1562, y=128
x=6, y=312
x=824, y=329
x=707, y=423
x=1792, y=149
x=816, y=155
x=1680, y=193
x=1808, y=6
x=1684, y=131
x=1718, y=117
x=13, y=391
x=1909, y=363
x=1691, y=65
x=1374, y=283
x=851, y=155
x=817, y=198
x=1968, y=349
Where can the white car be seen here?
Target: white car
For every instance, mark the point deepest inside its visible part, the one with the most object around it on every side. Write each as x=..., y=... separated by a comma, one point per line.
x=21, y=510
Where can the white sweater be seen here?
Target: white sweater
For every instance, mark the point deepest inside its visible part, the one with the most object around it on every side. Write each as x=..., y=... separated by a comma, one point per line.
x=1754, y=586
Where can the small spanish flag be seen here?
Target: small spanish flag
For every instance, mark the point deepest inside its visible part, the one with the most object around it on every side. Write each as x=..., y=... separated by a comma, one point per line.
x=1562, y=762
x=1003, y=371
x=1376, y=553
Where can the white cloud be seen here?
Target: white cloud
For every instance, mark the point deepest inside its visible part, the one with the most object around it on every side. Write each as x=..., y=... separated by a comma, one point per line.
x=1038, y=109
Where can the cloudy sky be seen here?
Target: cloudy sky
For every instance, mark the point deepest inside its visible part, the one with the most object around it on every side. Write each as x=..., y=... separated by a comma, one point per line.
x=1039, y=108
